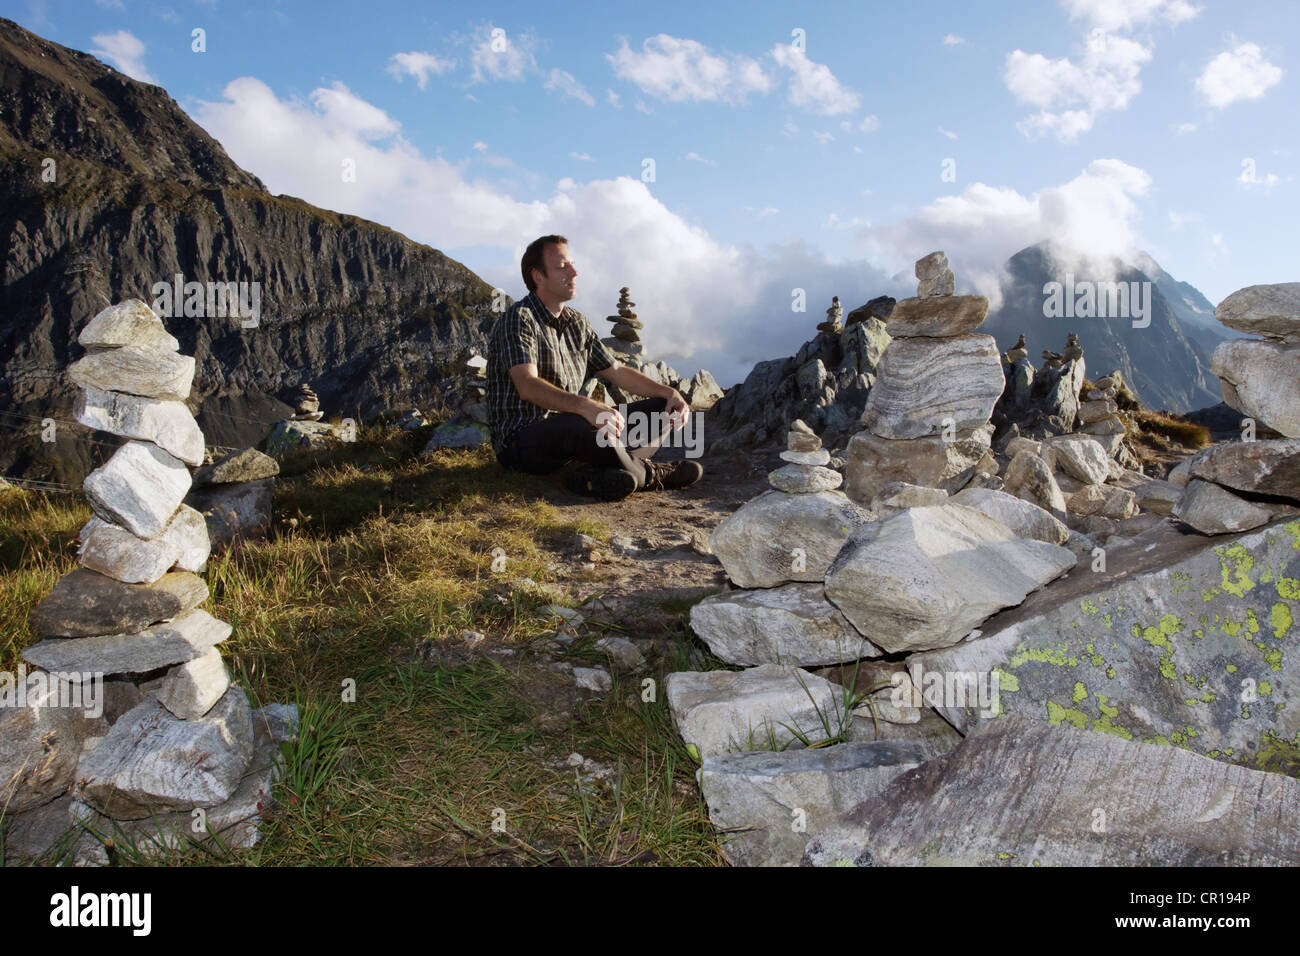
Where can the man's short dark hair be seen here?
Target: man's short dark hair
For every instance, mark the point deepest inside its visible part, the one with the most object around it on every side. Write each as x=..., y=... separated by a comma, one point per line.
x=533, y=258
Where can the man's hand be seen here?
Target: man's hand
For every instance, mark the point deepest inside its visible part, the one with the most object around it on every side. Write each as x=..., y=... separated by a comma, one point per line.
x=604, y=418
x=678, y=411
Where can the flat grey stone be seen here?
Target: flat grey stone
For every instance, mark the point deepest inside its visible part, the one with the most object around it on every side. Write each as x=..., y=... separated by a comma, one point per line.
x=147, y=372
x=139, y=488
x=760, y=708
x=86, y=603
x=1272, y=311
x=248, y=464
x=183, y=639
x=804, y=479
x=790, y=624
x=937, y=315
x=767, y=805
x=169, y=425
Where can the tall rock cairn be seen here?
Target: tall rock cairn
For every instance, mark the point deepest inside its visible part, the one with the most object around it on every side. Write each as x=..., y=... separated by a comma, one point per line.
x=833, y=316
x=626, y=334
x=927, y=417
x=806, y=472
x=184, y=737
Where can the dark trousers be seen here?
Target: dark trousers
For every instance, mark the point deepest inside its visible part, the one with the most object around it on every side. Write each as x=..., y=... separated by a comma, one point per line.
x=556, y=440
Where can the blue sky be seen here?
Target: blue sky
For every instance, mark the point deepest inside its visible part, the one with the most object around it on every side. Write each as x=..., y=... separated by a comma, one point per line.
x=822, y=149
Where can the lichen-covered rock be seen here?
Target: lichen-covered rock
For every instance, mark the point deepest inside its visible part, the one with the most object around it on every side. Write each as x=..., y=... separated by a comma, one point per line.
x=1187, y=641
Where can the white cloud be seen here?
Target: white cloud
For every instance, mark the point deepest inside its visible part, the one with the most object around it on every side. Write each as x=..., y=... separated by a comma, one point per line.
x=1105, y=78
x=1241, y=73
x=419, y=65
x=480, y=145
x=823, y=137
x=812, y=85
x=1184, y=128
x=697, y=158
x=125, y=51
x=952, y=39
x=581, y=157
x=498, y=56
x=680, y=70
x=947, y=132
x=1088, y=220
x=705, y=303
x=789, y=129
x=1124, y=14
x=870, y=123
x=564, y=82
x=612, y=97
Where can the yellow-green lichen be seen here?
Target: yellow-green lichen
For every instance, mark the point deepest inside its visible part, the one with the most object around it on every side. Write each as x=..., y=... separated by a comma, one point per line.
x=1080, y=692
x=1044, y=655
x=1235, y=564
x=1288, y=588
x=1110, y=672
x=1232, y=668
x=1279, y=619
x=1006, y=680
x=1104, y=722
x=1265, y=688
x=1056, y=713
x=1089, y=607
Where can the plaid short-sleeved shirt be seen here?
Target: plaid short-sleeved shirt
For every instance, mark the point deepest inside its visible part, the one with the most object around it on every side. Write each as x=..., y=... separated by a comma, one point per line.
x=567, y=351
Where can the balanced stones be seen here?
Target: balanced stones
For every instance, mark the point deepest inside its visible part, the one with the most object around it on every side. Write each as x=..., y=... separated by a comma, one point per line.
x=306, y=405
x=626, y=324
x=833, y=316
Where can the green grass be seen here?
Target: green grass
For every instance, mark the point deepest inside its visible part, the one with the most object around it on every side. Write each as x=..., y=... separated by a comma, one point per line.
x=389, y=551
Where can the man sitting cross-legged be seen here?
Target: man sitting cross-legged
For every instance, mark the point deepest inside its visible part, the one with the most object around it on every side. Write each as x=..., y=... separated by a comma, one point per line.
x=541, y=353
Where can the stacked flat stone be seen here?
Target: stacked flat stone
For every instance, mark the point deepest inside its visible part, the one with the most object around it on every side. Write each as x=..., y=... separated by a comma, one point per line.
x=1099, y=415
x=626, y=334
x=806, y=472
x=235, y=496
x=927, y=416
x=306, y=405
x=833, y=316
x=184, y=737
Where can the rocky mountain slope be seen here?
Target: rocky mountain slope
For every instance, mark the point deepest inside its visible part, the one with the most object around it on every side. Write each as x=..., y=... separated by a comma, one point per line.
x=107, y=187
x=1166, y=362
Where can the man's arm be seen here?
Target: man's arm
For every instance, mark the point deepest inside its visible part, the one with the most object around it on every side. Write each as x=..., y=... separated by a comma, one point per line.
x=628, y=378
x=542, y=393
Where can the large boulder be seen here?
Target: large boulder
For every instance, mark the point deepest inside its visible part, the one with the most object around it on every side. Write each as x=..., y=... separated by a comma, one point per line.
x=1211, y=509
x=926, y=385
x=1260, y=467
x=873, y=462
x=925, y=577
x=1020, y=793
x=777, y=538
x=767, y=805
x=1272, y=311
x=1185, y=641
x=1080, y=458
x=790, y=624
x=1025, y=519
x=1030, y=478
x=1261, y=379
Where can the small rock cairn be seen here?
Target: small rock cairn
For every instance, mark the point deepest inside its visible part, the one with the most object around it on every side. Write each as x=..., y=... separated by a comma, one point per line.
x=833, y=316
x=807, y=472
x=306, y=405
x=183, y=738
x=1099, y=413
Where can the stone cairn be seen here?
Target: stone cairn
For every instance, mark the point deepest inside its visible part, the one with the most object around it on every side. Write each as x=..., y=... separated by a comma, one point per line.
x=625, y=333
x=806, y=472
x=1236, y=486
x=306, y=405
x=175, y=734
x=833, y=316
x=927, y=417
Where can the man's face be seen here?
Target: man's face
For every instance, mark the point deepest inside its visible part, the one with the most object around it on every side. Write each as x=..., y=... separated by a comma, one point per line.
x=560, y=284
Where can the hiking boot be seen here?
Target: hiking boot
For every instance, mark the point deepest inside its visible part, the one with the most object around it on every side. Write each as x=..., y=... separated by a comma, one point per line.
x=666, y=475
x=608, y=484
